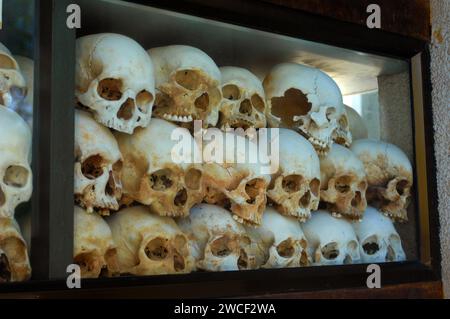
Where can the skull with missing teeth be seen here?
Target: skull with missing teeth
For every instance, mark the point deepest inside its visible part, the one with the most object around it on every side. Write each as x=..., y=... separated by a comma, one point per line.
x=15, y=156
x=115, y=80
x=233, y=175
x=187, y=82
x=148, y=244
x=98, y=166
x=344, y=182
x=304, y=99
x=14, y=262
x=294, y=189
x=94, y=248
x=332, y=241
x=389, y=174
x=12, y=83
x=243, y=104
x=161, y=172
x=378, y=239
x=218, y=242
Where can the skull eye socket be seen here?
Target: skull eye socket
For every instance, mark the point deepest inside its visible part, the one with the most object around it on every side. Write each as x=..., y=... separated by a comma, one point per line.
x=16, y=176
x=126, y=110
x=330, y=251
x=193, y=179
x=343, y=122
x=180, y=198
x=343, y=184
x=304, y=259
x=178, y=262
x=92, y=168
x=252, y=188
x=110, y=89
x=5, y=269
x=2, y=197
x=202, y=102
x=157, y=249
x=258, y=103
x=231, y=92
x=293, y=103
x=7, y=62
x=330, y=112
x=401, y=186
x=221, y=247
x=285, y=249
x=242, y=260
x=292, y=183
x=314, y=186
x=370, y=245
x=189, y=79
x=362, y=186
x=246, y=107
x=143, y=101
x=161, y=180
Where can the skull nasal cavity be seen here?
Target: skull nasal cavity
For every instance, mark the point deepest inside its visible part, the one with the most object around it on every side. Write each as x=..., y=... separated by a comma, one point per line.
x=110, y=89
x=242, y=260
x=246, y=107
x=5, y=270
x=188, y=79
x=180, y=198
x=16, y=176
x=157, y=249
x=221, y=247
x=330, y=251
x=193, y=179
x=202, y=102
x=293, y=103
x=370, y=245
x=160, y=180
x=143, y=101
x=357, y=199
x=231, y=92
x=285, y=248
x=92, y=167
x=126, y=110
x=292, y=183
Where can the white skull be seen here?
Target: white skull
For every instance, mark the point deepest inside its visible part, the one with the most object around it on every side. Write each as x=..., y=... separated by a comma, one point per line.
x=344, y=182
x=12, y=82
x=148, y=244
x=94, y=248
x=389, y=174
x=356, y=124
x=14, y=262
x=187, y=82
x=239, y=186
x=305, y=99
x=279, y=242
x=243, y=103
x=15, y=172
x=98, y=165
x=295, y=188
x=378, y=239
x=115, y=80
x=218, y=242
x=332, y=240
x=25, y=107
x=158, y=176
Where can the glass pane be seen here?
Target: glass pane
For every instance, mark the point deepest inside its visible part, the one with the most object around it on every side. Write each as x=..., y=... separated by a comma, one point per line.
x=205, y=146
x=16, y=120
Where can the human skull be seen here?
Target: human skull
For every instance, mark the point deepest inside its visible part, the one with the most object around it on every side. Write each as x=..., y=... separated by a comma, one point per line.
x=94, y=248
x=98, y=166
x=115, y=80
x=343, y=135
x=148, y=244
x=218, y=242
x=332, y=240
x=15, y=172
x=356, y=124
x=295, y=188
x=279, y=242
x=243, y=103
x=25, y=107
x=344, y=183
x=14, y=262
x=378, y=239
x=156, y=175
x=187, y=82
x=238, y=185
x=12, y=82
x=389, y=174
x=304, y=99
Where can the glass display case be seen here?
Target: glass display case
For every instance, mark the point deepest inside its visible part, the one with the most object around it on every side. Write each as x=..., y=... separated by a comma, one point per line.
x=184, y=145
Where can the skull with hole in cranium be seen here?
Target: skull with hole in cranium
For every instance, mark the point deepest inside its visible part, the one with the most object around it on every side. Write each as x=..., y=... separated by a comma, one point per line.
x=187, y=82
x=12, y=83
x=218, y=242
x=148, y=244
x=15, y=172
x=98, y=166
x=331, y=240
x=294, y=189
x=115, y=80
x=156, y=175
x=389, y=174
x=304, y=99
x=94, y=248
x=243, y=104
x=344, y=183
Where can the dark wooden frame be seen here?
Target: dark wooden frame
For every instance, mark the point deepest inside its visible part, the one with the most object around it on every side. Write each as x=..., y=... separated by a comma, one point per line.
x=53, y=162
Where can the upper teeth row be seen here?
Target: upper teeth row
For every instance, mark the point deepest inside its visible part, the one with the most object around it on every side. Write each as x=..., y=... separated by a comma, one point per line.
x=177, y=118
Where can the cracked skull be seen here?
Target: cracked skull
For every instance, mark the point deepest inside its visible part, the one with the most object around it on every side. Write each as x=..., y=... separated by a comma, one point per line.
x=218, y=242
x=94, y=248
x=294, y=189
x=14, y=262
x=158, y=174
x=187, y=82
x=12, y=83
x=304, y=99
x=378, y=239
x=115, y=80
x=232, y=180
x=332, y=240
x=98, y=166
x=344, y=183
x=243, y=104
x=15, y=172
x=148, y=244
x=279, y=242
x=389, y=174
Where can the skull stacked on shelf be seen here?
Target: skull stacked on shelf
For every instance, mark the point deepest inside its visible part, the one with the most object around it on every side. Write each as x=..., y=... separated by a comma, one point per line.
x=158, y=214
